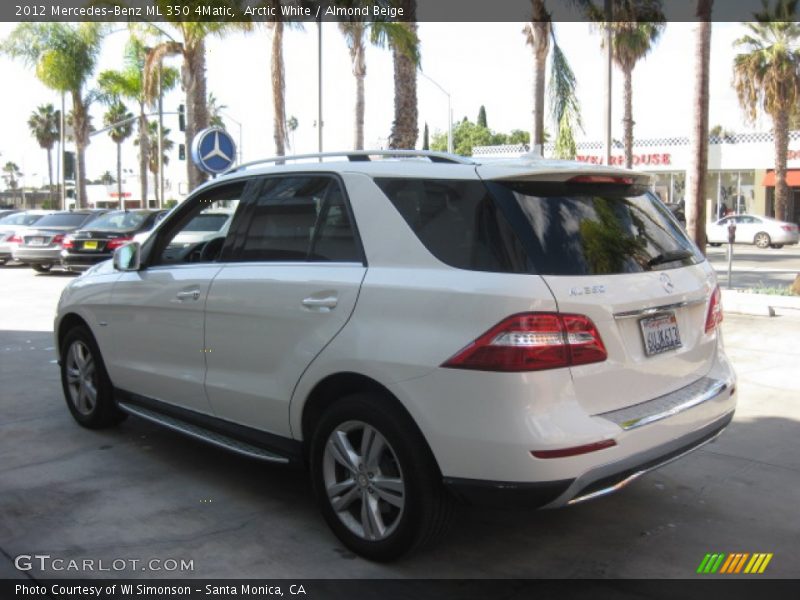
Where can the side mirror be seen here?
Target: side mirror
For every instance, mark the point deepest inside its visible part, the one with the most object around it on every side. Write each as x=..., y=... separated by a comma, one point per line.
x=128, y=257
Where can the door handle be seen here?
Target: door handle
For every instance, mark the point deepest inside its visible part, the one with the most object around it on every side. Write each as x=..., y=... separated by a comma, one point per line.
x=325, y=304
x=188, y=295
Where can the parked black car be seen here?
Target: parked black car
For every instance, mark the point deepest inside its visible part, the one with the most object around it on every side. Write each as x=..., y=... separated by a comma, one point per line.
x=97, y=242
x=41, y=246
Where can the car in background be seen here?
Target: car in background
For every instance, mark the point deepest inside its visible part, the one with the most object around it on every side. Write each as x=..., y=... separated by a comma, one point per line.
x=41, y=244
x=677, y=210
x=764, y=232
x=208, y=225
x=12, y=226
x=4, y=212
x=97, y=242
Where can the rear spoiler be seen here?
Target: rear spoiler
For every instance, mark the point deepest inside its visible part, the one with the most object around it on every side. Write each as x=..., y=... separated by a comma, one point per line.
x=558, y=171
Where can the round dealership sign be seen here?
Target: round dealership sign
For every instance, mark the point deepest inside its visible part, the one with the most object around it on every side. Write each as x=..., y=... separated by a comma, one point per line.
x=213, y=150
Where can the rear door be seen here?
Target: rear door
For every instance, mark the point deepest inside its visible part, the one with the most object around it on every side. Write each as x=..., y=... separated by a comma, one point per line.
x=291, y=285
x=612, y=252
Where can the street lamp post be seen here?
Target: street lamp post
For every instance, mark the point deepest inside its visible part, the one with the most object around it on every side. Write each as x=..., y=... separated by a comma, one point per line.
x=449, y=112
x=239, y=153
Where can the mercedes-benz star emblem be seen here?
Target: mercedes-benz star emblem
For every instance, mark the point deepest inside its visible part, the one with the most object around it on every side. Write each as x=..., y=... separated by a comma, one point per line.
x=216, y=150
x=667, y=283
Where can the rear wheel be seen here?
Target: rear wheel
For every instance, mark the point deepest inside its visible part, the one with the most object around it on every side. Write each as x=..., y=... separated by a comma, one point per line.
x=41, y=268
x=762, y=239
x=376, y=480
x=87, y=388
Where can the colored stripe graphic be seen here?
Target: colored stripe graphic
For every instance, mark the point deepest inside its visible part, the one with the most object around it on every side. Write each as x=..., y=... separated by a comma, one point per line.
x=703, y=563
x=722, y=563
x=732, y=558
x=741, y=562
x=713, y=565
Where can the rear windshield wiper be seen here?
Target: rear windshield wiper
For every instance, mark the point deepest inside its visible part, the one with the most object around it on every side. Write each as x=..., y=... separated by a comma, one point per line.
x=669, y=257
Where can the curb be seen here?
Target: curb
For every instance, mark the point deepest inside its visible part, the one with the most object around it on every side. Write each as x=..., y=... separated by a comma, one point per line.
x=760, y=305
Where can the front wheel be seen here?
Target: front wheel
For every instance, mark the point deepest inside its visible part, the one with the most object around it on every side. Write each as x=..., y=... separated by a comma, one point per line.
x=41, y=268
x=376, y=480
x=87, y=388
x=762, y=240
x=777, y=246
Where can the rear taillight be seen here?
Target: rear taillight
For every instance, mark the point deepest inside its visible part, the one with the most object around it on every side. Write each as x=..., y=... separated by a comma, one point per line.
x=533, y=342
x=67, y=242
x=788, y=227
x=14, y=239
x=116, y=243
x=57, y=239
x=714, y=317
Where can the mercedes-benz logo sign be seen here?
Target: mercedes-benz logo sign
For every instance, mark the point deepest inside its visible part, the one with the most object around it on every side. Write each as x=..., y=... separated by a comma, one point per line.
x=213, y=150
x=667, y=283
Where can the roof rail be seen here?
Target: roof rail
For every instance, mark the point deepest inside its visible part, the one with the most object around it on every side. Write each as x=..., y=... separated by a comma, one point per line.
x=359, y=156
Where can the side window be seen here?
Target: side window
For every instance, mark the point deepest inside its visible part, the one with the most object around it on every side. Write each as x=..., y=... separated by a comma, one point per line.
x=300, y=219
x=199, y=232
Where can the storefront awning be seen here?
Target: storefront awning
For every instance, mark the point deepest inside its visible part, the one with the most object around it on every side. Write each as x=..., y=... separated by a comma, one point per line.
x=792, y=178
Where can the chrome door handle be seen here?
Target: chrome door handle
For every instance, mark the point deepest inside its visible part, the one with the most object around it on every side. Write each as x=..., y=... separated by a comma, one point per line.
x=188, y=295
x=328, y=302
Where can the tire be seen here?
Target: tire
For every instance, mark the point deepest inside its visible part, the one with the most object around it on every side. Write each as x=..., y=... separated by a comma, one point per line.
x=714, y=244
x=776, y=246
x=87, y=388
x=41, y=268
x=762, y=240
x=410, y=508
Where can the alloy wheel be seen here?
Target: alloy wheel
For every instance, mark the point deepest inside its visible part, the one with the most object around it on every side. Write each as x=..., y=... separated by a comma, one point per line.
x=81, y=375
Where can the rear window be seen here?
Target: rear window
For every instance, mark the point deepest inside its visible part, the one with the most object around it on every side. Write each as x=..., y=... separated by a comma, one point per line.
x=119, y=220
x=206, y=223
x=62, y=220
x=20, y=219
x=590, y=229
x=458, y=222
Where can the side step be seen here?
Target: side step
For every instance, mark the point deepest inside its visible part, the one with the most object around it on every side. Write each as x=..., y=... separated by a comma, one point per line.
x=203, y=434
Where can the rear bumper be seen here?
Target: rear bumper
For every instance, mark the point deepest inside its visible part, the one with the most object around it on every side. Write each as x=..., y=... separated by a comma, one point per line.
x=81, y=262
x=49, y=256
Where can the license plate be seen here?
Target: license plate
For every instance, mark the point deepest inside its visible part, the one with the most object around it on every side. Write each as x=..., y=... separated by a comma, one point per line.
x=660, y=333
x=91, y=245
x=37, y=241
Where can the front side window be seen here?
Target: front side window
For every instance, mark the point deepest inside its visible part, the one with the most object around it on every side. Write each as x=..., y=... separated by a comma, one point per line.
x=300, y=219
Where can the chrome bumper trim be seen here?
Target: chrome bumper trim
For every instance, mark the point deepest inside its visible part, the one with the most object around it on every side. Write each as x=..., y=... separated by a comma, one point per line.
x=659, y=408
x=644, y=312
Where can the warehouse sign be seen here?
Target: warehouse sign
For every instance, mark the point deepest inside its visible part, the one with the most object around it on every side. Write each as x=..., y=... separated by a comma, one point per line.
x=659, y=158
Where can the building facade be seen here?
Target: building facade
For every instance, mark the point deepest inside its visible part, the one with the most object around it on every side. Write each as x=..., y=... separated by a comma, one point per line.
x=741, y=175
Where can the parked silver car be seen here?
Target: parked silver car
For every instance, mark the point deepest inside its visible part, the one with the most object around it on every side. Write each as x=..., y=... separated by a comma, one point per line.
x=750, y=229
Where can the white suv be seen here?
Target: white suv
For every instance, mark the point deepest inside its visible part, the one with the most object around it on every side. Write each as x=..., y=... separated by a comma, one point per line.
x=415, y=329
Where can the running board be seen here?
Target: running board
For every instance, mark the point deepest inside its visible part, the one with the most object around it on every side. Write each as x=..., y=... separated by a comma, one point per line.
x=203, y=434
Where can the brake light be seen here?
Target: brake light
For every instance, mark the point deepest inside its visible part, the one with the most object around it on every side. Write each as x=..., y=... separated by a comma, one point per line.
x=533, y=342
x=14, y=239
x=57, y=239
x=714, y=317
x=575, y=450
x=66, y=243
x=117, y=242
x=601, y=179
x=788, y=227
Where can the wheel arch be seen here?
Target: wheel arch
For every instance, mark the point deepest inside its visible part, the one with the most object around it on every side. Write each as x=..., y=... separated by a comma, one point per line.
x=67, y=322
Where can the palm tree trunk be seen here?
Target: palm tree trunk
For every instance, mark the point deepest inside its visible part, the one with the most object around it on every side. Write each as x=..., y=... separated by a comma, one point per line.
x=120, y=200
x=50, y=176
x=278, y=90
x=360, y=72
x=144, y=154
x=780, y=134
x=193, y=74
x=695, y=207
x=404, y=128
x=540, y=44
x=627, y=120
x=81, y=126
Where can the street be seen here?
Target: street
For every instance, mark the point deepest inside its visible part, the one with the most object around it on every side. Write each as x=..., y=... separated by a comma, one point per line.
x=139, y=492
x=754, y=267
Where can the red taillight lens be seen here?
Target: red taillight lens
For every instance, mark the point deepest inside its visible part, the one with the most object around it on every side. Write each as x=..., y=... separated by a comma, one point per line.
x=533, y=342
x=601, y=179
x=788, y=227
x=57, y=239
x=67, y=242
x=116, y=243
x=575, y=450
x=14, y=239
x=714, y=317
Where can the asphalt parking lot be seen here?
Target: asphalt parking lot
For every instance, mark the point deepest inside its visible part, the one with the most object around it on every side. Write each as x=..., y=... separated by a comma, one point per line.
x=138, y=492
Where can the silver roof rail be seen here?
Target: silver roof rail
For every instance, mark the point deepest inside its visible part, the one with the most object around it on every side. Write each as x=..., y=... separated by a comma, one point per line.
x=359, y=156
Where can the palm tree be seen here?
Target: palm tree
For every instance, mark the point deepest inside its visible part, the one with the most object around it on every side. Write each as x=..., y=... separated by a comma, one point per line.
x=11, y=175
x=45, y=125
x=380, y=33
x=128, y=84
x=537, y=36
x=695, y=208
x=64, y=56
x=406, y=59
x=767, y=77
x=215, y=112
x=192, y=48
x=120, y=119
x=166, y=146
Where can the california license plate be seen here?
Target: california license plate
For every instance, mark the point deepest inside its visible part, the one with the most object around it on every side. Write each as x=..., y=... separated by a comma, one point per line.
x=36, y=241
x=90, y=245
x=660, y=333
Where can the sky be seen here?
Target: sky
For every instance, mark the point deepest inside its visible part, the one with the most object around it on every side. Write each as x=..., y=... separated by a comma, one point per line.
x=477, y=63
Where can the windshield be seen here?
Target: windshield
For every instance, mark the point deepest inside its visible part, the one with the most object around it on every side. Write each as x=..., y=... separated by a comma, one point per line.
x=20, y=219
x=62, y=220
x=120, y=220
x=589, y=229
x=209, y=222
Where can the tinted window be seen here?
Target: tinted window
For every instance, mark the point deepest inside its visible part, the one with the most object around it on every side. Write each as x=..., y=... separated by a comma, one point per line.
x=210, y=222
x=583, y=229
x=120, y=220
x=20, y=219
x=63, y=220
x=300, y=219
x=458, y=222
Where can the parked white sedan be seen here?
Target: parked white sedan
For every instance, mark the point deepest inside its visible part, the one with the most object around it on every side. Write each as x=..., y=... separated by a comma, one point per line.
x=761, y=231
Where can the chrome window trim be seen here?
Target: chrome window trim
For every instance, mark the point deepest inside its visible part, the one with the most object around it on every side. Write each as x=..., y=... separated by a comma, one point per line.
x=643, y=312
